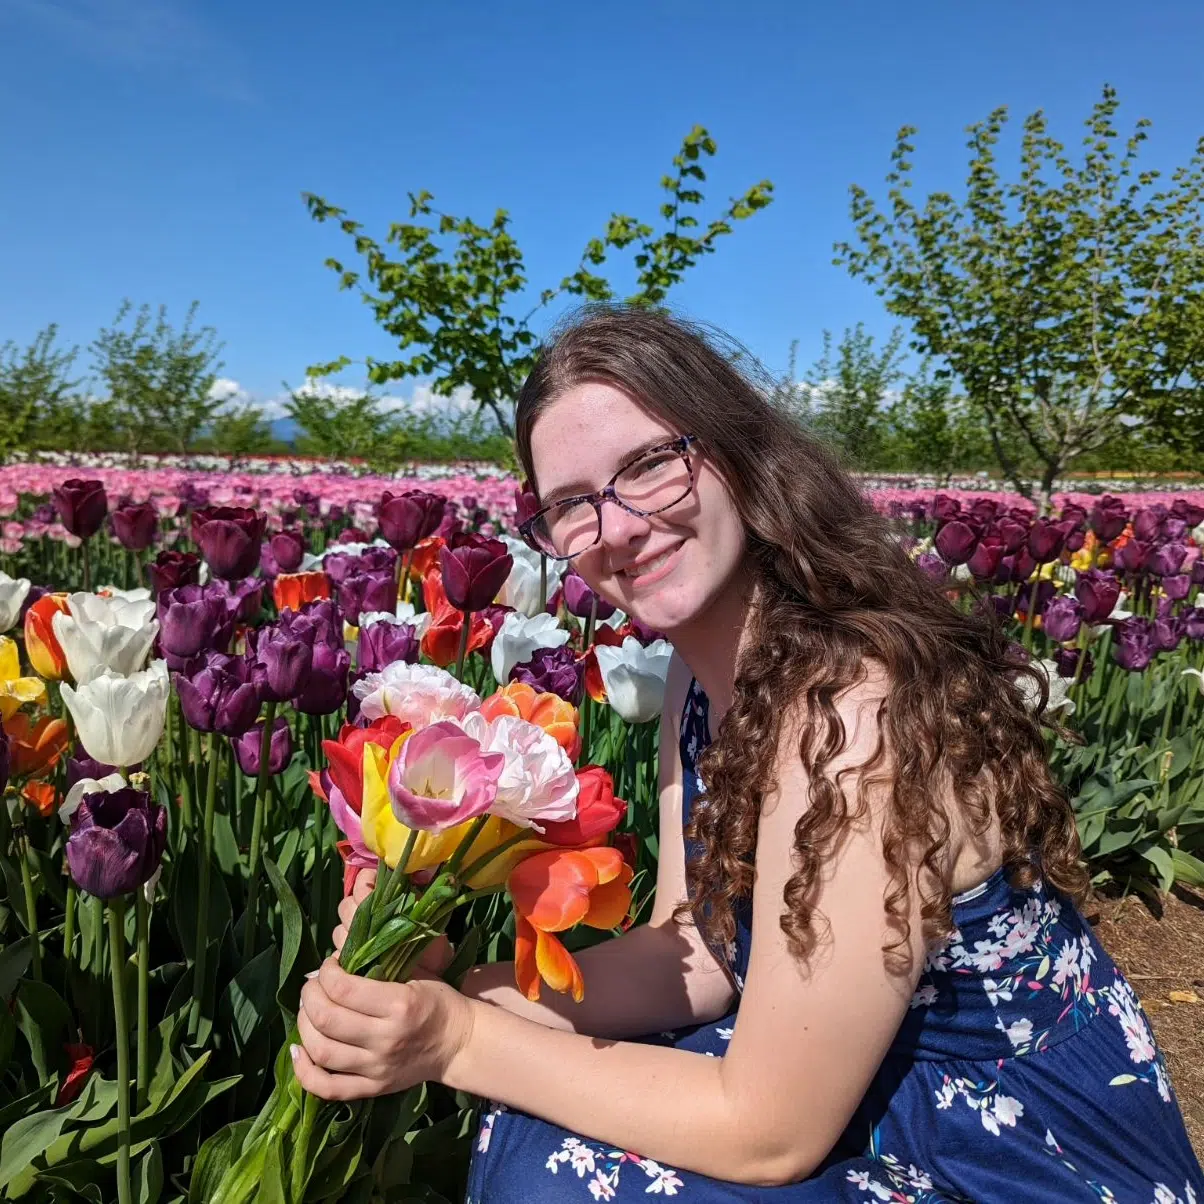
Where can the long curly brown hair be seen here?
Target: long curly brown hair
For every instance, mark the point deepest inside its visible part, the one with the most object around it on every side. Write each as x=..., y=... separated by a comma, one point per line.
x=834, y=590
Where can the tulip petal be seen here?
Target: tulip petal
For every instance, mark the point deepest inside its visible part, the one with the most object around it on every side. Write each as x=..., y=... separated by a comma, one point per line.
x=557, y=966
x=526, y=971
x=552, y=889
x=607, y=861
x=609, y=904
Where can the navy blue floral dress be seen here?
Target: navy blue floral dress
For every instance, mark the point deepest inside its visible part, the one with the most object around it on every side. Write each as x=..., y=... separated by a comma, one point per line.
x=1024, y=1070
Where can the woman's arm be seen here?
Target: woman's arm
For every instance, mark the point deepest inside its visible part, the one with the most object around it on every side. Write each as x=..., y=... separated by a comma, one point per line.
x=807, y=1042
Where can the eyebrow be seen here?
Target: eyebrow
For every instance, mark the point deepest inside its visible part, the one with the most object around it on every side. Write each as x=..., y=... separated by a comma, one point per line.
x=563, y=493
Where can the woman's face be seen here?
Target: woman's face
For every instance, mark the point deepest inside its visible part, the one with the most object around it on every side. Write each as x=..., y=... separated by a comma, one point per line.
x=665, y=569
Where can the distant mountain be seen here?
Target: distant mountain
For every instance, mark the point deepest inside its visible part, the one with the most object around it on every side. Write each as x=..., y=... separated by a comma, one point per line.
x=284, y=429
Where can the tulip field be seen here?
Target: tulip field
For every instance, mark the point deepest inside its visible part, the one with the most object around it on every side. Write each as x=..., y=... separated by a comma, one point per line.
x=225, y=695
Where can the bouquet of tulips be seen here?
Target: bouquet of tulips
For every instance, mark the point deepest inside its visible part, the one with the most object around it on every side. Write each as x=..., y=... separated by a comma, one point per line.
x=453, y=798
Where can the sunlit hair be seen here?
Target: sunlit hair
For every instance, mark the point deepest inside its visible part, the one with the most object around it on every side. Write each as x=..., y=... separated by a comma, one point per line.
x=833, y=590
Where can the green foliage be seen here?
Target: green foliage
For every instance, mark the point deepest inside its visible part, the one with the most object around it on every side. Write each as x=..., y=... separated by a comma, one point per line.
x=36, y=390
x=449, y=289
x=1063, y=300
x=242, y=432
x=158, y=379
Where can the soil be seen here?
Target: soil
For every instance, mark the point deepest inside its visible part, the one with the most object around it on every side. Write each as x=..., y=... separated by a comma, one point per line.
x=1159, y=945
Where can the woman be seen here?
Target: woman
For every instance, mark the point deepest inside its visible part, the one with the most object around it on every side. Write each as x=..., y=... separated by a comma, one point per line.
x=874, y=983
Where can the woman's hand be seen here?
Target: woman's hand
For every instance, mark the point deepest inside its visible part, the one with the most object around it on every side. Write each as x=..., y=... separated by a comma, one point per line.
x=435, y=958
x=361, y=1037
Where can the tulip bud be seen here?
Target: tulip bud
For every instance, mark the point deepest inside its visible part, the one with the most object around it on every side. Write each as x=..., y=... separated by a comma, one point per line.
x=82, y=506
x=288, y=550
x=598, y=811
x=136, y=526
x=553, y=671
x=173, y=569
x=474, y=568
x=325, y=688
x=409, y=517
x=116, y=842
x=580, y=598
x=247, y=748
x=229, y=538
x=1061, y=619
x=381, y=644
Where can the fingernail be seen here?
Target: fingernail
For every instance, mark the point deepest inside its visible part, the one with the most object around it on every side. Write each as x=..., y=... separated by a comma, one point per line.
x=294, y=1052
x=313, y=974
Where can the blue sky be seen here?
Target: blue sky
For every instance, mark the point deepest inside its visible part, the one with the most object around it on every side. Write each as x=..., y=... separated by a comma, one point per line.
x=157, y=149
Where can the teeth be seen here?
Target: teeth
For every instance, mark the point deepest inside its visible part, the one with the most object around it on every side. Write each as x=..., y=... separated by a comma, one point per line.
x=651, y=565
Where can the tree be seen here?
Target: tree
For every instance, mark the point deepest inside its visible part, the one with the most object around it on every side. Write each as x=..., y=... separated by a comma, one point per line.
x=933, y=431
x=241, y=432
x=342, y=423
x=36, y=390
x=1063, y=300
x=160, y=379
x=848, y=394
x=451, y=297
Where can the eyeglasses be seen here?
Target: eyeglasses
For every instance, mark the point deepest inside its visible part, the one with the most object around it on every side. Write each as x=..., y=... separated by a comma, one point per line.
x=659, y=479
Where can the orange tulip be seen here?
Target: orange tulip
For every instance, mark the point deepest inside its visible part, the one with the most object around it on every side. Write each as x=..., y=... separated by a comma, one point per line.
x=41, y=644
x=548, y=711
x=594, y=685
x=441, y=641
x=35, y=746
x=293, y=590
x=551, y=893
x=425, y=556
x=41, y=795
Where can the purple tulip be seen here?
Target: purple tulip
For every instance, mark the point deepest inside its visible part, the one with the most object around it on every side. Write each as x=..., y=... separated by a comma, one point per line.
x=1098, y=592
x=955, y=541
x=269, y=570
x=35, y=592
x=136, y=526
x=1067, y=660
x=1166, y=559
x=1131, y=557
x=244, y=597
x=984, y=560
x=280, y=748
x=288, y=550
x=325, y=688
x=553, y=671
x=1108, y=518
x=1173, y=530
x=1025, y=565
x=218, y=694
x=1193, y=622
x=945, y=508
x=1003, y=605
x=1075, y=539
x=1045, y=540
x=646, y=635
x=116, y=842
x=1062, y=619
x=1013, y=535
x=1036, y=594
x=1177, y=587
x=82, y=506
x=474, y=568
x=579, y=598
x=383, y=643
x=1134, y=646
x=282, y=657
x=1146, y=522
x=1168, y=633
x=192, y=619
x=931, y=565
x=173, y=569
x=366, y=592
x=1189, y=512
x=407, y=518
x=229, y=538
x=84, y=766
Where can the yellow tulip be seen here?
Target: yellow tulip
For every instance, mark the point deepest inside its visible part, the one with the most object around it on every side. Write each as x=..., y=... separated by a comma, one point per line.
x=16, y=691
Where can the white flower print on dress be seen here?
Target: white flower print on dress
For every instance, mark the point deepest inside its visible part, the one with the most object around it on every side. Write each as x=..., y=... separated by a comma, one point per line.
x=605, y=1165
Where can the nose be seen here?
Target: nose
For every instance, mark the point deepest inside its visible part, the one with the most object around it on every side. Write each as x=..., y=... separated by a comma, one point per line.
x=621, y=528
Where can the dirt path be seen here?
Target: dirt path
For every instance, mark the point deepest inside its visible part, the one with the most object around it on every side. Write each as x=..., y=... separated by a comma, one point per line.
x=1163, y=956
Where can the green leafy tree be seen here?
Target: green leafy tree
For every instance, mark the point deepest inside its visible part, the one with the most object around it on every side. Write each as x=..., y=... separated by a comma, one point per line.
x=933, y=431
x=242, y=431
x=342, y=423
x=849, y=393
x=451, y=291
x=36, y=392
x=160, y=379
x=1063, y=300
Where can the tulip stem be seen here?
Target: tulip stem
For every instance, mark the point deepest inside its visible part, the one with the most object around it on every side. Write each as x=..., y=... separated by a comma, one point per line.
x=142, y=931
x=475, y=867
x=31, y=902
x=202, y=915
x=261, y=793
x=462, y=654
x=470, y=837
x=69, y=919
x=84, y=547
x=117, y=956
x=98, y=937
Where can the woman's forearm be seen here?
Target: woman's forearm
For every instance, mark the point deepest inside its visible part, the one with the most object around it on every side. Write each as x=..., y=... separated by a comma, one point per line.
x=665, y=1103
x=649, y=980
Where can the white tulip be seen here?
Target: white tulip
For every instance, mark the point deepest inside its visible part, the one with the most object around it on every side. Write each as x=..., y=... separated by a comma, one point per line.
x=1197, y=674
x=105, y=633
x=1059, y=697
x=521, y=589
x=108, y=784
x=141, y=594
x=12, y=595
x=120, y=719
x=519, y=637
x=405, y=613
x=634, y=677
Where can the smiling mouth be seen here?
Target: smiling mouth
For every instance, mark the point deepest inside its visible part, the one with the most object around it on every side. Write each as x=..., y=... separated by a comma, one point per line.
x=644, y=567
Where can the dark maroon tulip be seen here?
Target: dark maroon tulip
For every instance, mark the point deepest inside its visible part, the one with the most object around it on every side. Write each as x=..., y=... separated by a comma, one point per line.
x=229, y=538
x=1193, y=622
x=116, y=842
x=553, y=606
x=383, y=643
x=1197, y=571
x=407, y=518
x=933, y=567
x=136, y=526
x=1045, y=541
x=1067, y=660
x=1166, y=559
x=1073, y=515
x=351, y=535
x=217, y=694
x=363, y=593
x=945, y=508
x=955, y=541
x=325, y=688
x=280, y=748
x=554, y=671
x=1133, y=648
x=579, y=598
x=496, y=614
x=1075, y=539
x=525, y=503
x=245, y=597
x=1189, y=512
x=82, y=506
x=474, y=568
x=984, y=560
x=1025, y=565
x=1146, y=522
x=450, y=525
x=282, y=657
x=1131, y=557
x=1177, y=587
x=193, y=619
x=173, y=569
x=1062, y=619
x=1108, y=518
x=1036, y=593
x=1097, y=591
x=1167, y=633
x=1013, y=535
x=985, y=511
x=288, y=549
